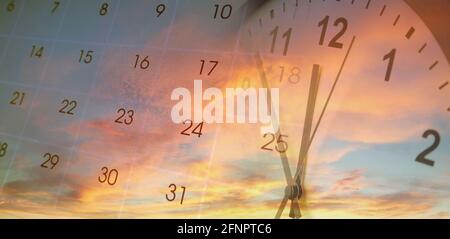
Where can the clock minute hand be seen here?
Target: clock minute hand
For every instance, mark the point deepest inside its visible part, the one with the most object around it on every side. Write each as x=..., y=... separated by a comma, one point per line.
x=300, y=175
x=309, y=116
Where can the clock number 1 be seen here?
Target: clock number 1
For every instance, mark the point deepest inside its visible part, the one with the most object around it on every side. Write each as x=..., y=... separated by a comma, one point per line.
x=391, y=57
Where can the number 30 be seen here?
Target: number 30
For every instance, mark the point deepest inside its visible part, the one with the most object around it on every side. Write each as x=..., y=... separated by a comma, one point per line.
x=109, y=176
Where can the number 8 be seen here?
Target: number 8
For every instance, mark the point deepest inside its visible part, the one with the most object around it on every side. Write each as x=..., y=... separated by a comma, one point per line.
x=104, y=9
x=3, y=148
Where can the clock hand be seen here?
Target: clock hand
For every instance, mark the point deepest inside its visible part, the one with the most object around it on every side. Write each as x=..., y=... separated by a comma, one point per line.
x=253, y=6
x=265, y=83
x=309, y=116
x=300, y=175
x=282, y=206
x=306, y=141
x=295, y=209
x=291, y=187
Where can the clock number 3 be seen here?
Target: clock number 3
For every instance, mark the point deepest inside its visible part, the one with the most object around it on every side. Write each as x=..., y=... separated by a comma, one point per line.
x=421, y=158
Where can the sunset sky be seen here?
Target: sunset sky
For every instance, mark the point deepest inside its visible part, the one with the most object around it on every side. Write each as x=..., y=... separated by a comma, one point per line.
x=361, y=163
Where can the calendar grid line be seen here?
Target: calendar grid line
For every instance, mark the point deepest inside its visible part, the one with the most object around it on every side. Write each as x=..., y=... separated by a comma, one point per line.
x=9, y=36
x=13, y=156
x=75, y=148
x=115, y=45
x=230, y=73
x=130, y=170
x=150, y=47
x=36, y=93
x=97, y=157
x=157, y=76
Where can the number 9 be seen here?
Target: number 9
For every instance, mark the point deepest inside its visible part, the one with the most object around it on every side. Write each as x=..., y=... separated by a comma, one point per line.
x=160, y=9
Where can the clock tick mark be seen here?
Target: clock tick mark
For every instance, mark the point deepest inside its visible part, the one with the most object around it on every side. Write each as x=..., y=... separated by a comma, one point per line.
x=396, y=20
x=272, y=14
x=295, y=13
x=368, y=4
x=410, y=33
x=422, y=48
x=382, y=10
x=443, y=85
x=434, y=65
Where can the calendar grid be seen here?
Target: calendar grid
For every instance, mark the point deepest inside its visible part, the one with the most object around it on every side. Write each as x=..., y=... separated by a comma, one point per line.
x=73, y=149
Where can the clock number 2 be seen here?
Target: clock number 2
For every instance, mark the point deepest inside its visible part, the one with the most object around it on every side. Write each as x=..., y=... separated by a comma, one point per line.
x=421, y=158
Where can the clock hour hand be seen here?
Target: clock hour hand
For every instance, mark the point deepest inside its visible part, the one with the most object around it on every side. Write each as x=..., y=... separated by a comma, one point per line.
x=292, y=190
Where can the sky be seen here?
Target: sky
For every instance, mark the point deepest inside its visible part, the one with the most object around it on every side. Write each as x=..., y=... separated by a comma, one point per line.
x=361, y=163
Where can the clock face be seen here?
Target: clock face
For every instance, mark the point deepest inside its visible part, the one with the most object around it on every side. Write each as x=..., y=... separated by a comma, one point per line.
x=360, y=129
